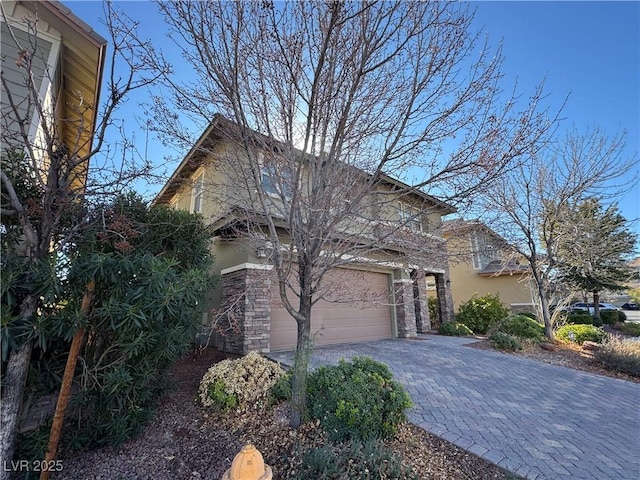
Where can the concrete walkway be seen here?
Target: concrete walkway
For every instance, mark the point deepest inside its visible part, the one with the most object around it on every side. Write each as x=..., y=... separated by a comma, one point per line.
x=537, y=420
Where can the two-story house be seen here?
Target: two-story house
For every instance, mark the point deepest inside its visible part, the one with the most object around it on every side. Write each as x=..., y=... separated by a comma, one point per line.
x=52, y=63
x=380, y=294
x=481, y=262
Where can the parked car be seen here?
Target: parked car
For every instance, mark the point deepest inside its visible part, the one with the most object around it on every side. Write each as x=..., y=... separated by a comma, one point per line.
x=603, y=306
x=582, y=307
x=630, y=306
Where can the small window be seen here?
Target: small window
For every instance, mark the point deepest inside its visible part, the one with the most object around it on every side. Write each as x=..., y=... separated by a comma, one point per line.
x=275, y=178
x=197, y=194
x=410, y=217
x=483, y=251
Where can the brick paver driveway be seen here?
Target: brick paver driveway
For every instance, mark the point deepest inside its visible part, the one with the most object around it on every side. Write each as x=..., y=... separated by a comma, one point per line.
x=537, y=420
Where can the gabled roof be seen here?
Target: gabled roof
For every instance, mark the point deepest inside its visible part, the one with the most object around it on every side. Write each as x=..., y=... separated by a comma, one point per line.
x=83, y=58
x=459, y=226
x=217, y=130
x=502, y=267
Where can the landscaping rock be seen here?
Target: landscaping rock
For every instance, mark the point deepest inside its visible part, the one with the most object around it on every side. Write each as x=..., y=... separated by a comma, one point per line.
x=548, y=346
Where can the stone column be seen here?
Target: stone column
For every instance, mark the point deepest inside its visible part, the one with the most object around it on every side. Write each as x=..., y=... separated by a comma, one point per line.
x=246, y=300
x=423, y=321
x=445, y=301
x=405, y=308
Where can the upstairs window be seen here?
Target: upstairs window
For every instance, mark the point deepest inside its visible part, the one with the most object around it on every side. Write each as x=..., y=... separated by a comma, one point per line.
x=484, y=251
x=275, y=178
x=197, y=192
x=410, y=217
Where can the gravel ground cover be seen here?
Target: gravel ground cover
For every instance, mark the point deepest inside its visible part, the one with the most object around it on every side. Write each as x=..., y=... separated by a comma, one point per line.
x=185, y=442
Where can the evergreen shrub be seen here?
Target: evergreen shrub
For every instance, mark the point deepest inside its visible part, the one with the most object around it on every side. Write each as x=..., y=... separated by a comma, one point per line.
x=368, y=460
x=504, y=341
x=480, y=313
x=519, y=326
x=356, y=400
x=580, y=333
x=454, y=329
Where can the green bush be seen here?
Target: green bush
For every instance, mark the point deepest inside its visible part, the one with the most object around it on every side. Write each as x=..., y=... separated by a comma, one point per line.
x=281, y=390
x=454, y=329
x=609, y=317
x=579, y=319
x=480, y=313
x=242, y=383
x=504, y=341
x=434, y=315
x=519, y=326
x=631, y=329
x=531, y=315
x=356, y=400
x=580, y=334
x=620, y=356
x=369, y=460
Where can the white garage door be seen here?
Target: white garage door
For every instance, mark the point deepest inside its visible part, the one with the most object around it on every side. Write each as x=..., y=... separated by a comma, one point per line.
x=354, y=307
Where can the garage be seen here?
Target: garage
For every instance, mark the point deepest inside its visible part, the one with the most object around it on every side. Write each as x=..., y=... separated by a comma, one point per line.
x=354, y=307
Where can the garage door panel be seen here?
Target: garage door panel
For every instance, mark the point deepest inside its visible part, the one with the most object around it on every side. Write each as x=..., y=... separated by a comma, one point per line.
x=354, y=307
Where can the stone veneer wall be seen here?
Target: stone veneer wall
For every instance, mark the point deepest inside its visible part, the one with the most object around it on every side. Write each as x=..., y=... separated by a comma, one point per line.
x=445, y=301
x=247, y=325
x=405, y=308
x=423, y=321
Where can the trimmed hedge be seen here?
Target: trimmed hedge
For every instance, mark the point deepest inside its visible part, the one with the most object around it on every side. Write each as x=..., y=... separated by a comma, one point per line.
x=580, y=319
x=580, y=333
x=609, y=317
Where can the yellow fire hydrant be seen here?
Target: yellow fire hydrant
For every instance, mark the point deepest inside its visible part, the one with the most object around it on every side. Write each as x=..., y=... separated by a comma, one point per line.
x=248, y=465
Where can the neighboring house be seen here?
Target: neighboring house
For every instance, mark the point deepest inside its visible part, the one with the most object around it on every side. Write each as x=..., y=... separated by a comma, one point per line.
x=367, y=300
x=67, y=64
x=481, y=262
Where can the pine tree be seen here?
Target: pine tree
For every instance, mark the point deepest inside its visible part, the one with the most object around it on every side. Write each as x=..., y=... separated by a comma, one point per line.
x=594, y=247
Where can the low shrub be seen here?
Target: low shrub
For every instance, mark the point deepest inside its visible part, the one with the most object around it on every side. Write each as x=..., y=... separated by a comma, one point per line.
x=242, y=383
x=504, y=341
x=369, y=460
x=519, y=326
x=531, y=315
x=580, y=333
x=454, y=329
x=579, y=319
x=630, y=329
x=610, y=317
x=620, y=356
x=434, y=314
x=281, y=390
x=356, y=400
x=480, y=313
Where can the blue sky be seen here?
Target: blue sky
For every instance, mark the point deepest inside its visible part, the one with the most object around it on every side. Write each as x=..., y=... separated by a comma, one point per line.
x=587, y=50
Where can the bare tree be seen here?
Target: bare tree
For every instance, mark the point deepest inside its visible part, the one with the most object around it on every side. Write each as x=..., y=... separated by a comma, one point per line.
x=531, y=200
x=346, y=97
x=47, y=176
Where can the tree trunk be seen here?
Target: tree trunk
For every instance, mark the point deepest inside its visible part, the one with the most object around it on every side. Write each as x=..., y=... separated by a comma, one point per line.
x=303, y=352
x=596, y=307
x=65, y=389
x=544, y=305
x=14, y=378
